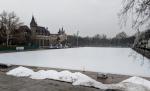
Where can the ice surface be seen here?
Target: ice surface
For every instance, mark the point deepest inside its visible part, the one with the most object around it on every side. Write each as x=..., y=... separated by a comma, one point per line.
x=100, y=59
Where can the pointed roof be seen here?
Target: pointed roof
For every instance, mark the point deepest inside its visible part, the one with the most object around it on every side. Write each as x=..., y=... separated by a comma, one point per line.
x=33, y=23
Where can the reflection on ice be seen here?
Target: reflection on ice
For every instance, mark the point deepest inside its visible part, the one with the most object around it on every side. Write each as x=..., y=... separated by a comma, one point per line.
x=140, y=59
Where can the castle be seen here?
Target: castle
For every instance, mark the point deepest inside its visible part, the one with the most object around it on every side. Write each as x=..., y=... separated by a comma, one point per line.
x=37, y=35
x=42, y=37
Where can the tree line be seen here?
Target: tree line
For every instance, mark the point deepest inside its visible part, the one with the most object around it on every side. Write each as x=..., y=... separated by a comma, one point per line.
x=120, y=40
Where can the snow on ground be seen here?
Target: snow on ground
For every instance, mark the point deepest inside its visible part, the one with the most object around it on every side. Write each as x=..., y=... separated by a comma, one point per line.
x=77, y=78
x=97, y=59
x=21, y=72
x=138, y=80
x=42, y=74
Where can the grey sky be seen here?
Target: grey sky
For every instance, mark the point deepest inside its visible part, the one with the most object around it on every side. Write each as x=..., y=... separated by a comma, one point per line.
x=90, y=17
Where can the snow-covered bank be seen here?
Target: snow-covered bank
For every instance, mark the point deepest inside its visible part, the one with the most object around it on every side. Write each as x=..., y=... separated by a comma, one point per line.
x=77, y=78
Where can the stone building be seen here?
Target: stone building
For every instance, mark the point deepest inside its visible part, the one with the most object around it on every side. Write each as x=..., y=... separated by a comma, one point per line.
x=37, y=35
x=42, y=37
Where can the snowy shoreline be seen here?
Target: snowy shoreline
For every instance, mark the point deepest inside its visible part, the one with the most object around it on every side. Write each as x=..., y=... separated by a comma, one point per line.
x=112, y=77
x=77, y=78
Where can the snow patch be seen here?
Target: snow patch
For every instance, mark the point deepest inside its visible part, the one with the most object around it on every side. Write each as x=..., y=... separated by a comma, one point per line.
x=138, y=80
x=42, y=74
x=67, y=76
x=84, y=80
x=20, y=72
x=77, y=78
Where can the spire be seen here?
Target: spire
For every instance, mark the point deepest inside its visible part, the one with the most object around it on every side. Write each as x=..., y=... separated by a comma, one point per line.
x=33, y=23
x=59, y=31
x=62, y=31
x=62, y=28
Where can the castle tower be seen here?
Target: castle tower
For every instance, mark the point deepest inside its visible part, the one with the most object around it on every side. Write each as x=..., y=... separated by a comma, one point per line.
x=33, y=23
x=61, y=31
x=33, y=27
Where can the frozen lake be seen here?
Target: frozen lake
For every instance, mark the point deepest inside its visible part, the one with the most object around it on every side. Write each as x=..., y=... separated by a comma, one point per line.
x=108, y=60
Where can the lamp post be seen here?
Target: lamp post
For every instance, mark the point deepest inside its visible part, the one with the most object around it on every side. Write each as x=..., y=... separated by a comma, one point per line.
x=77, y=38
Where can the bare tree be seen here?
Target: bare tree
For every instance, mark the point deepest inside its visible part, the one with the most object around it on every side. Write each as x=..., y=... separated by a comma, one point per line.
x=10, y=22
x=136, y=11
x=121, y=35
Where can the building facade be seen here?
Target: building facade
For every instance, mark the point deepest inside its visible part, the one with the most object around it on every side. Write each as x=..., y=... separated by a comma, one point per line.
x=37, y=35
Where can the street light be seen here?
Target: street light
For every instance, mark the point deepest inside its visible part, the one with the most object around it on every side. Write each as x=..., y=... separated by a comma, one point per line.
x=77, y=38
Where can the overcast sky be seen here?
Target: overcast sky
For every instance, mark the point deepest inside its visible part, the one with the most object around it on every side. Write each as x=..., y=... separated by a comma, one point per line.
x=89, y=17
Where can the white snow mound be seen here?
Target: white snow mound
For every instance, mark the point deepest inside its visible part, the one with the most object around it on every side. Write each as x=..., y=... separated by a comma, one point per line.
x=66, y=76
x=42, y=74
x=76, y=78
x=20, y=72
x=138, y=80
